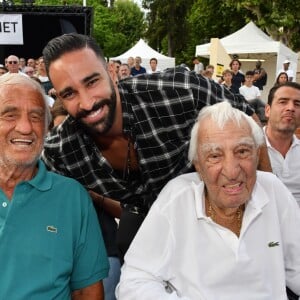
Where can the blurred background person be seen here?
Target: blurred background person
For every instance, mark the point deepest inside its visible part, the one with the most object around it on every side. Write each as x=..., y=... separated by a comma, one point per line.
x=281, y=78
x=124, y=71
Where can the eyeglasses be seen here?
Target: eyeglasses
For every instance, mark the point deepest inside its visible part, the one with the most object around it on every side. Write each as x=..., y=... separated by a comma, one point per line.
x=12, y=62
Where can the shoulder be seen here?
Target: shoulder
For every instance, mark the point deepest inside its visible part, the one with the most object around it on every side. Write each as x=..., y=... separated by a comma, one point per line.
x=65, y=131
x=181, y=187
x=171, y=78
x=273, y=187
x=67, y=183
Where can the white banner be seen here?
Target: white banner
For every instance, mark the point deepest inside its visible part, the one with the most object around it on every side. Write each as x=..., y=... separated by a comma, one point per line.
x=11, y=29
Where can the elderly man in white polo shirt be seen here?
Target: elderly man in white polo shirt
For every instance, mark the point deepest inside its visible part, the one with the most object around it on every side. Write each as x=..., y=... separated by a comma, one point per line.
x=225, y=232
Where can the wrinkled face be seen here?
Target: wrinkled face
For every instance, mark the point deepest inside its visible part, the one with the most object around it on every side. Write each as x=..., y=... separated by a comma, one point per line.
x=284, y=113
x=82, y=82
x=227, y=161
x=22, y=125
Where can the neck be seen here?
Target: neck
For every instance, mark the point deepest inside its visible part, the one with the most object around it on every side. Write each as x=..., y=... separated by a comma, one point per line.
x=281, y=141
x=11, y=176
x=230, y=218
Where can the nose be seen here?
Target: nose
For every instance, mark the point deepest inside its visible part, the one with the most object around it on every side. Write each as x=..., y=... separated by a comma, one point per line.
x=290, y=106
x=24, y=124
x=86, y=101
x=230, y=167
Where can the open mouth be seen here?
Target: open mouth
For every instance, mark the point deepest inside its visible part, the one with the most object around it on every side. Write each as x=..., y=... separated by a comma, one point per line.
x=21, y=142
x=94, y=115
x=233, y=188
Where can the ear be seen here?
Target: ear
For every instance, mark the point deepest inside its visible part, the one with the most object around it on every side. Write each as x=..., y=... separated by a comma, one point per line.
x=267, y=111
x=111, y=72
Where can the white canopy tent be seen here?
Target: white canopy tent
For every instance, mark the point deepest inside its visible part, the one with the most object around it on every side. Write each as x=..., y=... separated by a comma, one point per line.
x=146, y=53
x=251, y=43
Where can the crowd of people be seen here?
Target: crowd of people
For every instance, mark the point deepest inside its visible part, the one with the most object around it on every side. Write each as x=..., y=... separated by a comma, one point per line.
x=146, y=183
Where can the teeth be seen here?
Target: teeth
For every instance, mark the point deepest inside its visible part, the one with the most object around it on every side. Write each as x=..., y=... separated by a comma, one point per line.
x=232, y=186
x=95, y=113
x=21, y=141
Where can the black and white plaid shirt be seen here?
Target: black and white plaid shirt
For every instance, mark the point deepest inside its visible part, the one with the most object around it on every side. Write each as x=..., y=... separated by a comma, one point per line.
x=158, y=113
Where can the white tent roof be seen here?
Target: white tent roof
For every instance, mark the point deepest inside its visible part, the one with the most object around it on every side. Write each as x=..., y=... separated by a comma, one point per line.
x=248, y=41
x=146, y=53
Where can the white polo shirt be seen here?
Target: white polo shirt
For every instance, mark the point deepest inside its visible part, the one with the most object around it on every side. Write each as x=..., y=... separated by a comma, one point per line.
x=179, y=246
x=287, y=168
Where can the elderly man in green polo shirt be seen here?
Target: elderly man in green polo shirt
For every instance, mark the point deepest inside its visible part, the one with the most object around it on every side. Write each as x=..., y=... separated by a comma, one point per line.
x=50, y=243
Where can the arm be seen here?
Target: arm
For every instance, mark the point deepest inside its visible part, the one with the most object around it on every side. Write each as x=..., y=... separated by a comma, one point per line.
x=92, y=292
x=110, y=206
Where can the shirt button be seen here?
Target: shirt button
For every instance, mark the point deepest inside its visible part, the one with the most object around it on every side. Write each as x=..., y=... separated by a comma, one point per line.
x=4, y=204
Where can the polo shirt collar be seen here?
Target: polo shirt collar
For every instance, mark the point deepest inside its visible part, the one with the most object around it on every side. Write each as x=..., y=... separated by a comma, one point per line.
x=295, y=141
x=42, y=180
x=255, y=204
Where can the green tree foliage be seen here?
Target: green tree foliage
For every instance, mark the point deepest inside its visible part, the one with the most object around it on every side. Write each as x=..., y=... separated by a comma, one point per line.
x=175, y=27
x=279, y=18
x=116, y=29
x=167, y=25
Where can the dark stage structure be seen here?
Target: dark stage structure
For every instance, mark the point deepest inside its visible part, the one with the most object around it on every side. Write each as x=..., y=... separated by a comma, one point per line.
x=42, y=23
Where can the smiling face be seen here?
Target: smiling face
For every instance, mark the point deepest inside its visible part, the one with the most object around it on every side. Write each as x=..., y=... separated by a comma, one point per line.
x=226, y=162
x=22, y=125
x=284, y=112
x=83, y=83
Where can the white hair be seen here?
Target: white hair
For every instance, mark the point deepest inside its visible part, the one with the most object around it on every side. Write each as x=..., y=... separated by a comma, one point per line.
x=222, y=113
x=15, y=78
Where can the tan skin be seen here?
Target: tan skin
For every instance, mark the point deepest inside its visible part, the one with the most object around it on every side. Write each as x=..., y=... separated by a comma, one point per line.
x=92, y=292
x=284, y=118
x=80, y=86
x=84, y=93
x=22, y=130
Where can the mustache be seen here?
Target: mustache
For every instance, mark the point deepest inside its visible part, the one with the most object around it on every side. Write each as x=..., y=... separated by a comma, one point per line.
x=83, y=113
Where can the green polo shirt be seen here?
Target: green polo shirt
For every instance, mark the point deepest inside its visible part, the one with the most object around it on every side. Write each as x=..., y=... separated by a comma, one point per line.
x=50, y=241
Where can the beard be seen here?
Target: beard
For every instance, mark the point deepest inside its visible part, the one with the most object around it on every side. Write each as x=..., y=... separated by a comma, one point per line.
x=107, y=121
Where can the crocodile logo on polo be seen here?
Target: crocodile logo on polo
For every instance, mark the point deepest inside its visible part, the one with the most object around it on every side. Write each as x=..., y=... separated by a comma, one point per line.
x=273, y=244
x=51, y=228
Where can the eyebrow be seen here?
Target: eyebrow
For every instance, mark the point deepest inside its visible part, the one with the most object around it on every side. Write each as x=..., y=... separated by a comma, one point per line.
x=82, y=81
x=246, y=141
x=10, y=108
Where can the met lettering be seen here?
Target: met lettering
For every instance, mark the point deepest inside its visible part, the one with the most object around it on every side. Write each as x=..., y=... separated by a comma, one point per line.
x=8, y=27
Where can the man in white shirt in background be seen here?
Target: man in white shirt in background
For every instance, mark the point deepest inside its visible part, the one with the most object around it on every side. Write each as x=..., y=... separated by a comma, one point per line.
x=225, y=232
x=287, y=70
x=283, y=113
x=253, y=95
x=153, y=66
x=198, y=66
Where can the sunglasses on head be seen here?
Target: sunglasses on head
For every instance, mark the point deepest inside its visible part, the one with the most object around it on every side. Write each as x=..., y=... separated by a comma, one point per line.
x=12, y=62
